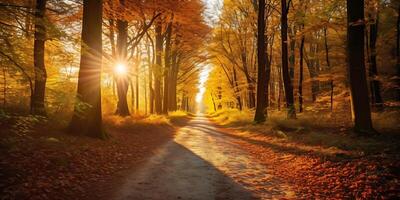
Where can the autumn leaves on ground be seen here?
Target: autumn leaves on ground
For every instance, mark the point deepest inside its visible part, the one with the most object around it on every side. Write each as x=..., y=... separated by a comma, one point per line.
x=200, y=99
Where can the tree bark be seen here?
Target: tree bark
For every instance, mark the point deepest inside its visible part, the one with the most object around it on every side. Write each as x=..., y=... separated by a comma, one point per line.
x=150, y=60
x=357, y=74
x=328, y=64
x=122, y=79
x=167, y=69
x=375, y=87
x=157, y=68
x=37, y=99
x=262, y=88
x=87, y=118
x=291, y=112
x=174, y=77
x=301, y=74
x=237, y=93
x=398, y=53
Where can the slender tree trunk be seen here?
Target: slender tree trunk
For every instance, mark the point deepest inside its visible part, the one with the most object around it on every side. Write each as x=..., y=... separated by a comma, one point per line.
x=151, y=64
x=375, y=87
x=145, y=94
x=167, y=69
x=137, y=69
x=292, y=57
x=157, y=69
x=398, y=53
x=328, y=63
x=174, y=78
x=250, y=86
x=260, y=115
x=37, y=99
x=4, y=86
x=237, y=90
x=280, y=87
x=87, y=118
x=357, y=74
x=301, y=74
x=285, y=68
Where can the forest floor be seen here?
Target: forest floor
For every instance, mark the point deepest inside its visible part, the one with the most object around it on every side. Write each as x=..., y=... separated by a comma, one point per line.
x=320, y=159
x=200, y=158
x=46, y=163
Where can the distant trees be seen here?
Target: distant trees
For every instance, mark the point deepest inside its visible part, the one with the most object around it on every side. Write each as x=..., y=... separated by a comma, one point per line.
x=315, y=33
x=87, y=117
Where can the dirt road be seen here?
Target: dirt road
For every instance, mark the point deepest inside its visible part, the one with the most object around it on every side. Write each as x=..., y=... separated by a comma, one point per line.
x=202, y=163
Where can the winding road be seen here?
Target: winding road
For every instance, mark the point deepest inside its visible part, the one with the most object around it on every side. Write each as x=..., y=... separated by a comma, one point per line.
x=202, y=162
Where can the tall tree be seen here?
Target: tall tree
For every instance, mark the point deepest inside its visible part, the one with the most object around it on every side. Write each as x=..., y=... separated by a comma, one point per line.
x=167, y=68
x=376, y=97
x=87, y=118
x=157, y=68
x=357, y=73
x=38, y=96
x=291, y=112
x=122, y=78
x=301, y=69
x=262, y=72
x=398, y=51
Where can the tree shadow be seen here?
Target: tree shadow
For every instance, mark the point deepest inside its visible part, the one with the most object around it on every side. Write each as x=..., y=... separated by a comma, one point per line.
x=176, y=172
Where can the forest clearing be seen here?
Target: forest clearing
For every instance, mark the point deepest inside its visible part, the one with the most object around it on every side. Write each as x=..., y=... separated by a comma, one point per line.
x=199, y=99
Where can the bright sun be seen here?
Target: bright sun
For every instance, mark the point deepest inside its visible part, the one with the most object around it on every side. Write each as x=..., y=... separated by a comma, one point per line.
x=120, y=69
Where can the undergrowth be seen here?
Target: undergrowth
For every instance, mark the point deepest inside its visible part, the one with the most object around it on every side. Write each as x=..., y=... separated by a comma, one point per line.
x=316, y=131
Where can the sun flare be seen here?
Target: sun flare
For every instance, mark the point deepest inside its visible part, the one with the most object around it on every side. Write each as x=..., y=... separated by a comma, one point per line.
x=120, y=69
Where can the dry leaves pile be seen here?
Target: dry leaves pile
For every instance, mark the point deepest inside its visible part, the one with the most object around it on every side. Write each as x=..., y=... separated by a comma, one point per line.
x=60, y=166
x=313, y=176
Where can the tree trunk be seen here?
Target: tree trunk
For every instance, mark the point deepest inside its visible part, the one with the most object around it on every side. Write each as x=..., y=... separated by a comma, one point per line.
x=87, y=118
x=237, y=90
x=301, y=74
x=157, y=68
x=262, y=88
x=292, y=57
x=37, y=99
x=4, y=87
x=357, y=74
x=137, y=69
x=328, y=64
x=398, y=53
x=250, y=87
x=151, y=64
x=167, y=69
x=291, y=112
x=122, y=79
x=174, y=78
x=375, y=87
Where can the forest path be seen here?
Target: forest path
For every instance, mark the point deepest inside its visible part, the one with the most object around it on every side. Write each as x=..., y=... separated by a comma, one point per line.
x=202, y=163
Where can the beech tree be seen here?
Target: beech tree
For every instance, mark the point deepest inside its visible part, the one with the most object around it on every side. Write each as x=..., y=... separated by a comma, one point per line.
x=262, y=77
x=357, y=73
x=37, y=101
x=87, y=118
x=291, y=112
